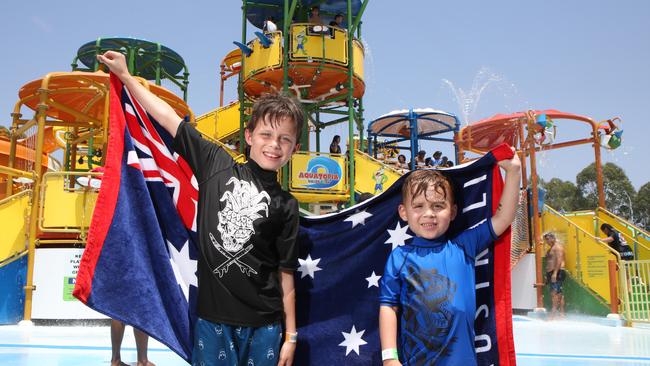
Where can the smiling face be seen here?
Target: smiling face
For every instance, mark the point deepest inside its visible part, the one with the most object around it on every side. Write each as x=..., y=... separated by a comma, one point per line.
x=428, y=205
x=272, y=144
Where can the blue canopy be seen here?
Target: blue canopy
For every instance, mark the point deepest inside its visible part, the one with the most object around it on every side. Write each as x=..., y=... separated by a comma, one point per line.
x=428, y=121
x=412, y=125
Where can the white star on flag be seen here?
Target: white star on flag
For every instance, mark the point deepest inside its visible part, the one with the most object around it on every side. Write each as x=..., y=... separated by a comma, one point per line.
x=398, y=236
x=308, y=266
x=358, y=218
x=353, y=341
x=184, y=267
x=373, y=280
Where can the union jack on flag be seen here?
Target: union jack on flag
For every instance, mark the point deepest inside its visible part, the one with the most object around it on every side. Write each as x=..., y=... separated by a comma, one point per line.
x=140, y=261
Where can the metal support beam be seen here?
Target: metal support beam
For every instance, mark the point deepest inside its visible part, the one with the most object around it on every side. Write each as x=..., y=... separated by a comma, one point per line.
x=240, y=86
x=29, y=286
x=354, y=26
x=350, y=96
x=530, y=143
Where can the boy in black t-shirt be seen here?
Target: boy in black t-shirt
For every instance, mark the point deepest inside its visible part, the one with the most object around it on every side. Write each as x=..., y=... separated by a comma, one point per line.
x=247, y=227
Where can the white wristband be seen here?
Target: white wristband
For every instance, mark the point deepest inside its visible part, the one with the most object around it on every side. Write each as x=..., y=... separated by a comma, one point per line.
x=389, y=354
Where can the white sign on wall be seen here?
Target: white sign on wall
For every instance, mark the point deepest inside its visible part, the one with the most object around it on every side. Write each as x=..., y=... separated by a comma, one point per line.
x=55, y=272
x=524, y=294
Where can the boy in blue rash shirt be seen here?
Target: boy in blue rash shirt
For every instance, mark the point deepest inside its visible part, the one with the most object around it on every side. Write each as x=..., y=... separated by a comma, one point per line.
x=429, y=284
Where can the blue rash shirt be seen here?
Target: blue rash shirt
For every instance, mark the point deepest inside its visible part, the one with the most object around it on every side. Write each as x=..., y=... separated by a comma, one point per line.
x=432, y=282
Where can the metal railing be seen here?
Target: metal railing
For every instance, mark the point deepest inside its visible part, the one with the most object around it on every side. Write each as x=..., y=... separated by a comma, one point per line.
x=14, y=218
x=637, y=238
x=586, y=257
x=636, y=291
x=67, y=202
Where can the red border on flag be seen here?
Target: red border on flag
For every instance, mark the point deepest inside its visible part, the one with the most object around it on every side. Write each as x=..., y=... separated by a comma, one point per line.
x=107, y=198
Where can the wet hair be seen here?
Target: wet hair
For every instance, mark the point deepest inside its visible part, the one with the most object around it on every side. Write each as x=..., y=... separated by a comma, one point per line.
x=276, y=107
x=437, y=153
x=549, y=235
x=419, y=181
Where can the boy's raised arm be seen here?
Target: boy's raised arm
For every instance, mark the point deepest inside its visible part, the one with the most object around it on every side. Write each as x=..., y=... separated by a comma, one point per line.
x=508, y=204
x=161, y=111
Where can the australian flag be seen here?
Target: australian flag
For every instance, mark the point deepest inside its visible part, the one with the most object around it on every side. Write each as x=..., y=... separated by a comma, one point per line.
x=140, y=259
x=342, y=257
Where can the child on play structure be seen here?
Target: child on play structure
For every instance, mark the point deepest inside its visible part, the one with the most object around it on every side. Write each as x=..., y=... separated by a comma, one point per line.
x=247, y=227
x=428, y=284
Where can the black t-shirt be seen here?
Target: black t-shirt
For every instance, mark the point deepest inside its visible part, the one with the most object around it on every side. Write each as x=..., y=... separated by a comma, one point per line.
x=616, y=243
x=335, y=148
x=620, y=245
x=247, y=227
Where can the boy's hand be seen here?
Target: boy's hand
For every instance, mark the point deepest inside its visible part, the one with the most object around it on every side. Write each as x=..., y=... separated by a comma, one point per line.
x=286, y=354
x=505, y=212
x=116, y=63
x=511, y=164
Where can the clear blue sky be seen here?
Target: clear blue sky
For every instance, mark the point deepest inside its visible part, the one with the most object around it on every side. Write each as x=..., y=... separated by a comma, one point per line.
x=583, y=57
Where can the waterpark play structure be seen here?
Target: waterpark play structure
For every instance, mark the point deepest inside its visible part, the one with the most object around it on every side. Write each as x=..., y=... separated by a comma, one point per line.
x=45, y=207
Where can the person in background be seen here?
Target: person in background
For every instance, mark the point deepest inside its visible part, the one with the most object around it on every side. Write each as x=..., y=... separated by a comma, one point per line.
x=335, y=148
x=401, y=162
x=314, y=16
x=617, y=242
x=555, y=273
x=141, y=340
x=269, y=25
x=420, y=161
x=436, y=158
x=443, y=161
x=364, y=196
x=338, y=21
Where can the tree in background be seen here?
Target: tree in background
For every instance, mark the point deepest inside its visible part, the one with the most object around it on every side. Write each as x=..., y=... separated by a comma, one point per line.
x=619, y=191
x=562, y=195
x=4, y=132
x=642, y=207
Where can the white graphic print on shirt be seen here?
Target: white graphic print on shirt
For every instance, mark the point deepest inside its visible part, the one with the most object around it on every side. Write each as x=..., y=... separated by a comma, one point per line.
x=243, y=206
